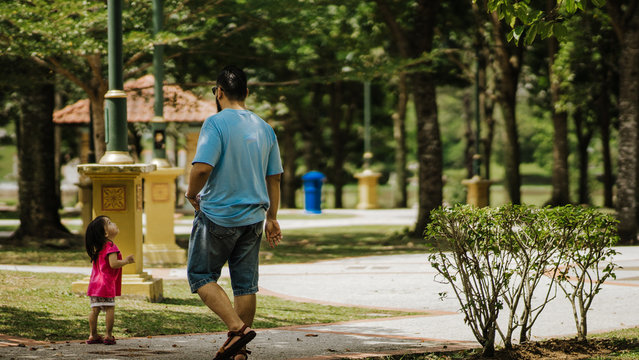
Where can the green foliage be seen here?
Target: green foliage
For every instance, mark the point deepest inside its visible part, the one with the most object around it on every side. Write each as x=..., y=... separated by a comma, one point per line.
x=495, y=258
x=529, y=22
x=589, y=262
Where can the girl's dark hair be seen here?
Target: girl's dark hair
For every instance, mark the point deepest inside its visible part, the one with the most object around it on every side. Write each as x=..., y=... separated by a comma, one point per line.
x=232, y=80
x=95, y=237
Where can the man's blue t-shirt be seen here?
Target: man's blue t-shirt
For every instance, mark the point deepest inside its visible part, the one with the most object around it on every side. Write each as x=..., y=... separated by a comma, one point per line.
x=243, y=150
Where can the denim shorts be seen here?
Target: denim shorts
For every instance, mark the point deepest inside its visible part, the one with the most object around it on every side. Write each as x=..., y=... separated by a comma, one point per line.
x=212, y=245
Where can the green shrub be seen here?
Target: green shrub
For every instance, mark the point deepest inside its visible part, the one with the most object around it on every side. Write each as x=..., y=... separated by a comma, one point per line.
x=495, y=259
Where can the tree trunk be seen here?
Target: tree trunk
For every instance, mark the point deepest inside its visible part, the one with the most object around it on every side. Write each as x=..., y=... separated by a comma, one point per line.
x=97, y=115
x=337, y=176
x=411, y=43
x=288, y=161
x=39, y=217
x=628, y=137
x=312, y=133
x=603, y=113
x=96, y=90
x=429, y=149
x=469, y=134
x=560, y=180
x=486, y=107
x=583, y=141
x=513, y=177
x=399, y=134
x=509, y=57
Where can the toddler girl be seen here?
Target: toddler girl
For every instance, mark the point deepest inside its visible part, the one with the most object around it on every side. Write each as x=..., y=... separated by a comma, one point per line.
x=106, y=275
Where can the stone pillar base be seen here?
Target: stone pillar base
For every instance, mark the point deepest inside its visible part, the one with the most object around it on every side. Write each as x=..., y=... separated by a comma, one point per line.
x=163, y=254
x=367, y=189
x=141, y=286
x=478, y=189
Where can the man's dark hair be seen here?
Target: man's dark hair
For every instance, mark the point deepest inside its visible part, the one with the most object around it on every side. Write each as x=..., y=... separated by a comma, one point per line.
x=232, y=80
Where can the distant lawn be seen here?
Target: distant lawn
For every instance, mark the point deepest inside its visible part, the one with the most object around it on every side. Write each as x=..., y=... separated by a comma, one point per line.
x=309, y=245
x=41, y=306
x=7, y=153
x=299, y=246
x=45, y=257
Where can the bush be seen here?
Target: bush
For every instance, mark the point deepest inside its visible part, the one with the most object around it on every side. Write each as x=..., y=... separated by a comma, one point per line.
x=495, y=258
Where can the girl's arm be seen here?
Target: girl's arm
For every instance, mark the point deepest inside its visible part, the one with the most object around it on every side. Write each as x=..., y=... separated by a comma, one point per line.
x=116, y=264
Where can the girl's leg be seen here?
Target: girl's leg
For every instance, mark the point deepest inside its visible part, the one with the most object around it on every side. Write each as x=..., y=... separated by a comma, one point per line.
x=110, y=318
x=93, y=323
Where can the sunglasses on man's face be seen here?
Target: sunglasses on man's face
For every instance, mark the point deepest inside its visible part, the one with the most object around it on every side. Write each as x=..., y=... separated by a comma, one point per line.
x=214, y=90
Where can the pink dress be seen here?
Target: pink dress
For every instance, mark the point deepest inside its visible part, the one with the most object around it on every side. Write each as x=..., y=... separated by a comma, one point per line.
x=105, y=282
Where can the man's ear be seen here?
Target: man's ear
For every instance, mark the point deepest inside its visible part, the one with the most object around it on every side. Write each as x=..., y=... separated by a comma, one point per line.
x=247, y=92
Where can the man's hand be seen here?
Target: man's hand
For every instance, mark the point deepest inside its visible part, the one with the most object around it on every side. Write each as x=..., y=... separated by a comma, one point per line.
x=130, y=259
x=195, y=202
x=273, y=233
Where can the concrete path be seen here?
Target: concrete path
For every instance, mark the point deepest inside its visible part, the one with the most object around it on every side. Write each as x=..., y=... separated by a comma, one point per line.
x=404, y=282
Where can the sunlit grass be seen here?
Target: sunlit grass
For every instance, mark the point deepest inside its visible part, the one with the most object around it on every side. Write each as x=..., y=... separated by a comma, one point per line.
x=41, y=306
x=42, y=256
x=298, y=246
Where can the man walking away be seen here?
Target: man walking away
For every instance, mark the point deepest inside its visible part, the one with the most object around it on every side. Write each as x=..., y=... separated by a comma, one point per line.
x=233, y=185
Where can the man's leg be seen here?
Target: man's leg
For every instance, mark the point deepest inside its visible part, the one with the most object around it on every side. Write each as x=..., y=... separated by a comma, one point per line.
x=245, y=308
x=216, y=299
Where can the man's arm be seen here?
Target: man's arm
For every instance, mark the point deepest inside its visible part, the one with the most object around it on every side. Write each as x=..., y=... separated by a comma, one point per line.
x=200, y=173
x=273, y=232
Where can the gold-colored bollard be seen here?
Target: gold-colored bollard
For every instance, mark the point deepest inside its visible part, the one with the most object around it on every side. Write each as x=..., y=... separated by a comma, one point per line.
x=367, y=189
x=477, y=191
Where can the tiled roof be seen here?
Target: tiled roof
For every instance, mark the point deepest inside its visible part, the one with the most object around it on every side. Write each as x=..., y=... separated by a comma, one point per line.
x=179, y=105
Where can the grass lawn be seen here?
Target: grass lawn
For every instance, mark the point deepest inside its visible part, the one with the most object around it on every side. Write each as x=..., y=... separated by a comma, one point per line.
x=42, y=256
x=41, y=306
x=299, y=246
x=309, y=245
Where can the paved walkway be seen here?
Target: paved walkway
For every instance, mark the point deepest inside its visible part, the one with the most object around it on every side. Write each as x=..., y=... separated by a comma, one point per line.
x=398, y=282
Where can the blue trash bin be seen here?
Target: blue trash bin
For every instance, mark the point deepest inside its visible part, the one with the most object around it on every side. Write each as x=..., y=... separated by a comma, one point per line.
x=313, y=191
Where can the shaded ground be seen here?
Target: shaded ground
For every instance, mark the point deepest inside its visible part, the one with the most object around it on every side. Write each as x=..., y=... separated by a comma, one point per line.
x=568, y=349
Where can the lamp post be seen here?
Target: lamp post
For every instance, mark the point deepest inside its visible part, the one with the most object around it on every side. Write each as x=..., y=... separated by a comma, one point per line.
x=158, y=124
x=115, y=122
x=477, y=187
x=477, y=155
x=368, y=155
x=367, y=179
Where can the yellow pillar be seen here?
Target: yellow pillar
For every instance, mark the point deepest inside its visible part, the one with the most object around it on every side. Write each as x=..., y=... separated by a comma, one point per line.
x=159, y=207
x=367, y=189
x=117, y=193
x=477, y=191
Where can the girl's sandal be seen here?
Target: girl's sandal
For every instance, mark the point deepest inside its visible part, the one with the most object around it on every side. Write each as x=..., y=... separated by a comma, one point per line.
x=109, y=341
x=227, y=353
x=95, y=340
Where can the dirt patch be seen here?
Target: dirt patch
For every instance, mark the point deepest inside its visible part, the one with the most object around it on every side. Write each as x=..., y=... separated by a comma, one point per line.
x=565, y=349
x=569, y=349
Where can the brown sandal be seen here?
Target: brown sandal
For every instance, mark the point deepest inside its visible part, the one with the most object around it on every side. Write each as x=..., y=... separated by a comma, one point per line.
x=227, y=353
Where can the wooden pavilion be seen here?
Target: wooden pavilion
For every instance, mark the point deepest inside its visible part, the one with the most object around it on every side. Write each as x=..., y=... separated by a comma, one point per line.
x=180, y=106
